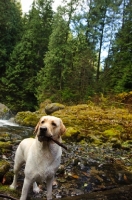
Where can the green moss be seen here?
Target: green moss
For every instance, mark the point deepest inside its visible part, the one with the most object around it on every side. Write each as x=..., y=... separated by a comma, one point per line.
x=27, y=118
x=71, y=133
x=5, y=145
x=4, y=189
x=85, y=119
x=5, y=110
x=8, y=177
x=94, y=139
x=4, y=167
x=112, y=133
x=127, y=144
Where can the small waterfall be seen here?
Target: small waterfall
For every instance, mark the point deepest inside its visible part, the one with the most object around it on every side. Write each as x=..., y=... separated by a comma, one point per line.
x=7, y=123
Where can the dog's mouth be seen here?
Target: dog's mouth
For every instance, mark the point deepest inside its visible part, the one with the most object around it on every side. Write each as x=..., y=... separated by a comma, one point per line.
x=43, y=135
x=43, y=138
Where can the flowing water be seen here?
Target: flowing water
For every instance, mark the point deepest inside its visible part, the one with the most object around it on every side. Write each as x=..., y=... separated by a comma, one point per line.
x=7, y=123
x=84, y=168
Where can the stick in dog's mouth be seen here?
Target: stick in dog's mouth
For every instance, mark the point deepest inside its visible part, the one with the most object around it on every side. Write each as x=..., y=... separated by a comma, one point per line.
x=46, y=138
x=59, y=143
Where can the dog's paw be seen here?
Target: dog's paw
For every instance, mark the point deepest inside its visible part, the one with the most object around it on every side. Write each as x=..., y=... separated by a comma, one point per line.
x=36, y=190
x=49, y=197
x=12, y=187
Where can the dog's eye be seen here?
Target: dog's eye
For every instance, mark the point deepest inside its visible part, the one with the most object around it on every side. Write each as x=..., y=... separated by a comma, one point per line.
x=53, y=123
x=42, y=122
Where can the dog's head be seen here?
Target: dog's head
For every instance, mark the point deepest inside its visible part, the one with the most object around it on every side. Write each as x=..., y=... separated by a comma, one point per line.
x=49, y=126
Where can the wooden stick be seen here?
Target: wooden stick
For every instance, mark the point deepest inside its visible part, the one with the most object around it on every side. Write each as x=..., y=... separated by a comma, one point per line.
x=59, y=143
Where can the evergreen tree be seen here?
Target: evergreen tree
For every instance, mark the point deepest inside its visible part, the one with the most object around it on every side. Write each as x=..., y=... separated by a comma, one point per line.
x=101, y=25
x=27, y=58
x=68, y=63
x=120, y=68
x=10, y=30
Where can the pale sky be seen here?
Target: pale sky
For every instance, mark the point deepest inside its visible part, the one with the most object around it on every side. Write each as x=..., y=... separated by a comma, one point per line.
x=26, y=5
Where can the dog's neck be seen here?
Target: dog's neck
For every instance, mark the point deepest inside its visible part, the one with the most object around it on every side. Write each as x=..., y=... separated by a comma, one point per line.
x=47, y=150
x=48, y=145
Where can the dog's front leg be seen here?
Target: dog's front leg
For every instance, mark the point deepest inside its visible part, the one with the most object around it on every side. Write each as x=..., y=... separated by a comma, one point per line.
x=14, y=183
x=49, y=182
x=26, y=185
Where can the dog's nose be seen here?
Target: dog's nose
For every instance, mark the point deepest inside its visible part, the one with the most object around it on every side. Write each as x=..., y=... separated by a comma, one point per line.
x=43, y=129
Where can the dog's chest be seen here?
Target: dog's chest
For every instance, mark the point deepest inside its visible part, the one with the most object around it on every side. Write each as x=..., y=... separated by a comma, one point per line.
x=47, y=164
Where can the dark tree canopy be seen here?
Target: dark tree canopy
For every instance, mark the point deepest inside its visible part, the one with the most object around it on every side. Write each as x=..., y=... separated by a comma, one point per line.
x=58, y=54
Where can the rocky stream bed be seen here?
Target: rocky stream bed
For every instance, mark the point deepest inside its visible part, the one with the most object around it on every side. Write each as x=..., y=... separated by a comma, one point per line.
x=87, y=171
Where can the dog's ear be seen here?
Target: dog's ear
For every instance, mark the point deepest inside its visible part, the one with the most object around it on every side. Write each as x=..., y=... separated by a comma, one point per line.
x=36, y=128
x=62, y=128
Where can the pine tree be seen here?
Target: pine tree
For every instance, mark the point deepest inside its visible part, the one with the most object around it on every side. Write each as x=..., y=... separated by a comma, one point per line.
x=120, y=68
x=101, y=25
x=68, y=63
x=27, y=58
x=10, y=30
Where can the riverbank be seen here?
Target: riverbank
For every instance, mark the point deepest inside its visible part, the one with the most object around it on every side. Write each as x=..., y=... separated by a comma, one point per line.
x=99, y=155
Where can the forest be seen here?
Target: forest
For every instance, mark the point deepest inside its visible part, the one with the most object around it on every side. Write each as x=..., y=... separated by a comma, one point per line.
x=59, y=55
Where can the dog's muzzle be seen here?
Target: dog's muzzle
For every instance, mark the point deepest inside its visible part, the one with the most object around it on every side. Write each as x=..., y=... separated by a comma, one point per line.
x=43, y=134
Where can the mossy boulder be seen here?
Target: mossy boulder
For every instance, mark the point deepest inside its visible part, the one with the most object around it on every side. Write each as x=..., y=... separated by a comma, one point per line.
x=71, y=134
x=27, y=118
x=4, y=112
x=85, y=120
x=52, y=107
x=4, y=168
x=43, y=105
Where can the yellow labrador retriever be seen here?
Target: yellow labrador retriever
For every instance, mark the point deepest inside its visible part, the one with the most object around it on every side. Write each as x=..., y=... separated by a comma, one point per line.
x=42, y=156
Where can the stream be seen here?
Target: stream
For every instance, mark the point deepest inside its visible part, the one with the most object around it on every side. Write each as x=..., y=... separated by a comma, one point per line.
x=85, y=168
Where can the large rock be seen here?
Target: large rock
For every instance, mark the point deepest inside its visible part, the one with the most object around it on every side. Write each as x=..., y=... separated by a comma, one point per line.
x=50, y=108
x=27, y=118
x=5, y=112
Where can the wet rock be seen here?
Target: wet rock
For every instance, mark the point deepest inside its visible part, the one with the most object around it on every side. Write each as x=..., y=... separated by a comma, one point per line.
x=117, y=144
x=61, y=169
x=12, y=119
x=4, y=167
x=50, y=108
x=5, y=112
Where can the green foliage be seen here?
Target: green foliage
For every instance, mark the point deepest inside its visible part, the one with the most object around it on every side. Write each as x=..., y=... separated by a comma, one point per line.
x=27, y=58
x=58, y=55
x=27, y=118
x=10, y=30
x=119, y=63
x=68, y=67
